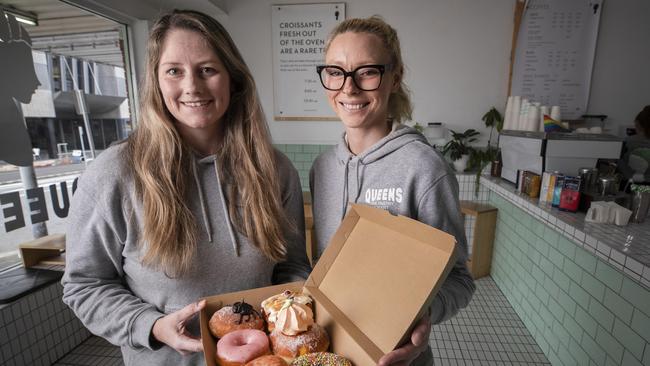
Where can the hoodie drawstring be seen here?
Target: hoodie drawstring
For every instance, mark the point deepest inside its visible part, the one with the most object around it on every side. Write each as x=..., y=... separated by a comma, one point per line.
x=233, y=239
x=204, y=209
x=359, y=183
x=199, y=186
x=345, y=188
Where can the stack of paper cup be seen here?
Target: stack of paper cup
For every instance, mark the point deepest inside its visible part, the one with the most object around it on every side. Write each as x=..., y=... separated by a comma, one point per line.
x=532, y=122
x=543, y=111
x=596, y=129
x=507, y=121
x=516, y=107
x=523, y=115
x=555, y=113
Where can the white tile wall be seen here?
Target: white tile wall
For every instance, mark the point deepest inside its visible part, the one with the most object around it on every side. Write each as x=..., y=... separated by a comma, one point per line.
x=38, y=329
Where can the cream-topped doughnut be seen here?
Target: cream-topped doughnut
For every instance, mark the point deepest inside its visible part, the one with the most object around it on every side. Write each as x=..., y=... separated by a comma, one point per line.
x=298, y=304
x=241, y=346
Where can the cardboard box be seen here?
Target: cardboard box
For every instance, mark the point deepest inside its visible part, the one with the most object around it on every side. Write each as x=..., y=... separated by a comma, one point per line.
x=377, y=277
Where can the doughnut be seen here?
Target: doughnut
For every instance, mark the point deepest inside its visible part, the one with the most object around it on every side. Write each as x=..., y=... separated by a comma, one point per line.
x=269, y=360
x=321, y=359
x=274, y=304
x=238, y=316
x=241, y=346
x=289, y=347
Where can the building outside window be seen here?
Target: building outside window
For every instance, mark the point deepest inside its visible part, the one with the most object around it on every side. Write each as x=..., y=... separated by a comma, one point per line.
x=82, y=105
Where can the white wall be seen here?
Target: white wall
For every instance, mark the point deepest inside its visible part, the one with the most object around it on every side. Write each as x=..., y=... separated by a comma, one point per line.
x=620, y=84
x=456, y=53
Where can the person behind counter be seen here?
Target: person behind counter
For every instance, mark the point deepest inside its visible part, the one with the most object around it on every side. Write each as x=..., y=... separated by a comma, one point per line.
x=187, y=207
x=363, y=78
x=635, y=163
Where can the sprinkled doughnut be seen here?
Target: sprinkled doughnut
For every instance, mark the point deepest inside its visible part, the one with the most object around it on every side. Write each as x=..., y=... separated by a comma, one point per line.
x=321, y=359
x=241, y=346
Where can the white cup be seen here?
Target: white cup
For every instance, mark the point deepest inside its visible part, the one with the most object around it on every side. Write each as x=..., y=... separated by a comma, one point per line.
x=555, y=113
x=622, y=215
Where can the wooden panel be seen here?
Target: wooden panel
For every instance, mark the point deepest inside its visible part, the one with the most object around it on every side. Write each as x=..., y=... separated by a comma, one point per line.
x=483, y=242
x=309, y=230
x=480, y=260
x=46, y=250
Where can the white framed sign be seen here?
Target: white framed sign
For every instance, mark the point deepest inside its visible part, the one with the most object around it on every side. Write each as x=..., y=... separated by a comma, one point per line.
x=299, y=35
x=555, y=53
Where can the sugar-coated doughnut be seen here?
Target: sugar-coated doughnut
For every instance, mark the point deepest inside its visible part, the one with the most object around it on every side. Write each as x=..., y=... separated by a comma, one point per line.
x=241, y=346
x=321, y=359
x=269, y=360
x=289, y=347
x=238, y=316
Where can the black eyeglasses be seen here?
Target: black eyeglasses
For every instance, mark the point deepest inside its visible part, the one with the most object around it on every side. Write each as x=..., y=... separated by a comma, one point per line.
x=366, y=77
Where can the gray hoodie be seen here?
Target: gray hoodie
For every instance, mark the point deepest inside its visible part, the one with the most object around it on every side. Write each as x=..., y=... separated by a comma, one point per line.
x=404, y=175
x=118, y=298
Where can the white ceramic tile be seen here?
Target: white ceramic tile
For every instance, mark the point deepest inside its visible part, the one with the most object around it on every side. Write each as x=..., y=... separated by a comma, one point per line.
x=591, y=241
x=569, y=230
x=579, y=235
x=604, y=249
x=635, y=266
x=646, y=272
x=645, y=282
x=632, y=274
x=617, y=256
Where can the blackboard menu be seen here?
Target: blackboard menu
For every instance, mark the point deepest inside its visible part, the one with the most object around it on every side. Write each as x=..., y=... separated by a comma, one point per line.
x=555, y=52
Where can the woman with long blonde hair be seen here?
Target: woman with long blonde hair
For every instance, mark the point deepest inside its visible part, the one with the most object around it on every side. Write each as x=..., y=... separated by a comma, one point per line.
x=196, y=202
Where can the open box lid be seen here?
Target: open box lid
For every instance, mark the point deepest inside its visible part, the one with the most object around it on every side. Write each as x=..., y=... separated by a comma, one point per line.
x=380, y=274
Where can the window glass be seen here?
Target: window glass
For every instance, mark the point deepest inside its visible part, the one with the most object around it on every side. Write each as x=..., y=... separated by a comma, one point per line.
x=73, y=103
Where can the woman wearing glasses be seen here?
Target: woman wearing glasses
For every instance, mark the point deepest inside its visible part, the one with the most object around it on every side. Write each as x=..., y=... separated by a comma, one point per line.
x=382, y=163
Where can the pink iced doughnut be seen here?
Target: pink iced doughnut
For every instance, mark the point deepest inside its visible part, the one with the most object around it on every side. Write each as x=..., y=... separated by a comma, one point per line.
x=238, y=347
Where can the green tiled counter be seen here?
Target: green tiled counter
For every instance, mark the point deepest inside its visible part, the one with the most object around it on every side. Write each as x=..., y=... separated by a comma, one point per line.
x=580, y=309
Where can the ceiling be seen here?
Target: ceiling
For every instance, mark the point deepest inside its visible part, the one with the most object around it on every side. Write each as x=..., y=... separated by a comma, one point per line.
x=66, y=30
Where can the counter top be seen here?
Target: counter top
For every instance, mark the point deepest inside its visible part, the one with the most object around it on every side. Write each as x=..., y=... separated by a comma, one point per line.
x=626, y=248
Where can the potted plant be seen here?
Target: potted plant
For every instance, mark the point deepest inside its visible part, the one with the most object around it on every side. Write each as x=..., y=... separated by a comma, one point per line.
x=493, y=119
x=491, y=154
x=458, y=148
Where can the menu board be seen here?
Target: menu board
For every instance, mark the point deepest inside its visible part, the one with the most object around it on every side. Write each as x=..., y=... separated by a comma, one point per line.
x=555, y=52
x=299, y=36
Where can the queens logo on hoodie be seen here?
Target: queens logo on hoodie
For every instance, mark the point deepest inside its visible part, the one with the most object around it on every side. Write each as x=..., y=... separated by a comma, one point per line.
x=383, y=196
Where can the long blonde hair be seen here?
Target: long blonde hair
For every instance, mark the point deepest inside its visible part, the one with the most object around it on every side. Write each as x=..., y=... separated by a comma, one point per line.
x=399, y=103
x=161, y=160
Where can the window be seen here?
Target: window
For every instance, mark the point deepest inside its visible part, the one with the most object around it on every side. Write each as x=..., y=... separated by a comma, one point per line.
x=80, y=62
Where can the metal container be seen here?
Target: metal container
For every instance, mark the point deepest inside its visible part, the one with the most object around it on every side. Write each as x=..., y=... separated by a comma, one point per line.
x=592, y=184
x=608, y=185
x=588, y=178
x=584, y=174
